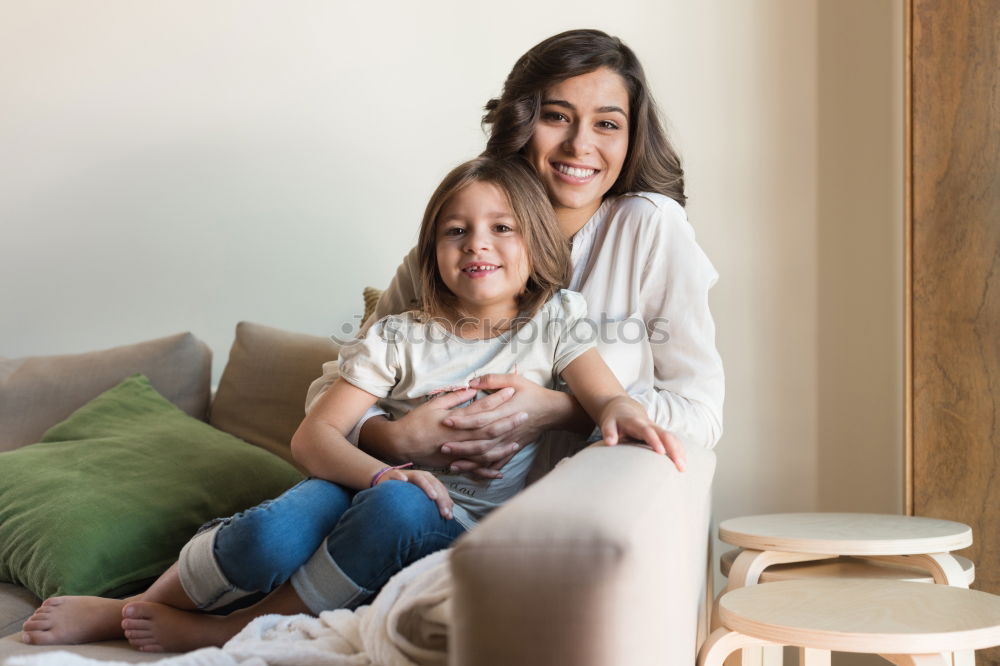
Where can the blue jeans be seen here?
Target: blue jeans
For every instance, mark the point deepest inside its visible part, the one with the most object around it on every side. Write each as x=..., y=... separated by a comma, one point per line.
x=338, y=547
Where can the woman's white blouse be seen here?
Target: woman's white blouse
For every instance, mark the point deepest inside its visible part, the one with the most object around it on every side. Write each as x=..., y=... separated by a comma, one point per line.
x=637, y=263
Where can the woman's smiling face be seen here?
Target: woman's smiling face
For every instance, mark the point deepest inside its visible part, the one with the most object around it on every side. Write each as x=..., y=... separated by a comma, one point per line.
x=580, y=143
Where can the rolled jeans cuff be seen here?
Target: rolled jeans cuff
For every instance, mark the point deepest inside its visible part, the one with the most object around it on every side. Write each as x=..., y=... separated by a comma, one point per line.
x=322, y=585
x=200, y=575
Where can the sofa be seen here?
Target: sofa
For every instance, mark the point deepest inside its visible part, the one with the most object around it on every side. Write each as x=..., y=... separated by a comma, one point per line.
x=602, y=561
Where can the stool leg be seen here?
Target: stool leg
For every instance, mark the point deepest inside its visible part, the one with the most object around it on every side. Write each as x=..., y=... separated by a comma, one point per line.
x=946, y=571
x=747, y=657
x=746, y=571
x=942, y=566
x=813, y=657
x=715, y=622
x=772, y=655
x=938, y=659
x=769, y=655
x=723, y=642
x=964, y=658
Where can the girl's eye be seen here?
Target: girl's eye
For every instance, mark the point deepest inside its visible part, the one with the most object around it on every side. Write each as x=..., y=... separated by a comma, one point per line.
x=454, y=231
x=554, y=115
x=503, y=228
x=608, y=124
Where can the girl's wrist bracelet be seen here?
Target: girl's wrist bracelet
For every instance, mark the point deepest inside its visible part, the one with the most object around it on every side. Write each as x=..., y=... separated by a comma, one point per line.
x=378, y=474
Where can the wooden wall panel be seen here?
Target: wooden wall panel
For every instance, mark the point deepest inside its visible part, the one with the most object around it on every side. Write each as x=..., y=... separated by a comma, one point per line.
x=954, y=189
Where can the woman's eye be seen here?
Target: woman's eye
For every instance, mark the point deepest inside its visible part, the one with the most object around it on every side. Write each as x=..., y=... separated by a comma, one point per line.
x=554, y=116
x=608, y=124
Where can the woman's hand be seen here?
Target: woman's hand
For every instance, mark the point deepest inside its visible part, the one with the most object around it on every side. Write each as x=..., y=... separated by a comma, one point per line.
x=478, y=439
x=427, y=482
x=503, y=428
x=624, y=417
x=418, y=435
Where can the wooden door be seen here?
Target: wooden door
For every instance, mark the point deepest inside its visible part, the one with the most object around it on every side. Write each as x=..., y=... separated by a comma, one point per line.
x=953, y=248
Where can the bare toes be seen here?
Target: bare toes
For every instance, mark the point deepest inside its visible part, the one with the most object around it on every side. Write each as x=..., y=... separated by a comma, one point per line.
x=135, y=611
x=72, y=620
x=136, y=623
x=37, y=624
x=39, y=637
x=139, y=641
x=39, y=616
x=138, y=634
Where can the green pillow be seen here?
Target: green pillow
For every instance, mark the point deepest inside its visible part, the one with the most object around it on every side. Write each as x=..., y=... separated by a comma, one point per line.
x=103, y=504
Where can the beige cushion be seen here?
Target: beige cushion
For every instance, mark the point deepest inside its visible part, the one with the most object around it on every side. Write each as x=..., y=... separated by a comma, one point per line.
x=16, y=605
x=114, y=651
x=262, y=393
x=602, y=561
x=370, y=296
x=39, y=391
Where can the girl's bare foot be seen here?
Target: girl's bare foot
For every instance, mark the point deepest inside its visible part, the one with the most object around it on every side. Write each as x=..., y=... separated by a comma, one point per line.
x=71, y=620
x=153, y=627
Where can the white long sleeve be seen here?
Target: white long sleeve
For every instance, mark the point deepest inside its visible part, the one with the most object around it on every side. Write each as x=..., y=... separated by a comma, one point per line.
x=637, y=256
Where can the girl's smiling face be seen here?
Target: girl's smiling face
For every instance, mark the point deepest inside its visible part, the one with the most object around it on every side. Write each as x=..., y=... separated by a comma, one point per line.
x=580, y=142
x=480, y=252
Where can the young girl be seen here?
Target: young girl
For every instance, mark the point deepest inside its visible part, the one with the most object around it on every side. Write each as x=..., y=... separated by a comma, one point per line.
x=492, y=264
x=492, y=261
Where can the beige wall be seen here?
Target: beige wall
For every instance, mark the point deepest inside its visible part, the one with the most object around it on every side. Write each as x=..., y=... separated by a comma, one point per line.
x=860, y=259
x=184, y=165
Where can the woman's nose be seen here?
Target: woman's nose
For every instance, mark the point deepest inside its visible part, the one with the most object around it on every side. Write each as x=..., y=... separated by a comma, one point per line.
x=579, y=140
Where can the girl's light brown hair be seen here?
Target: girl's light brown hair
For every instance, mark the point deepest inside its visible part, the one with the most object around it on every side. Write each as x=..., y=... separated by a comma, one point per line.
x=651, y=164
x=547, y=250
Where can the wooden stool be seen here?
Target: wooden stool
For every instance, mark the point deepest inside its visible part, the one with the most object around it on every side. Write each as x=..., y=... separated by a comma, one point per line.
x=904, y=622
x=776, y=539
x=846, y=567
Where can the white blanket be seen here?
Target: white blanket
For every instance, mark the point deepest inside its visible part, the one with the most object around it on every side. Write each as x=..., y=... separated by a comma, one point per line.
x=406, y=624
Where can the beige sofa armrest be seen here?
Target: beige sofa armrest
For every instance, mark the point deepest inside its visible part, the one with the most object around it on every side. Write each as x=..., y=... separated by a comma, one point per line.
x=601, y=562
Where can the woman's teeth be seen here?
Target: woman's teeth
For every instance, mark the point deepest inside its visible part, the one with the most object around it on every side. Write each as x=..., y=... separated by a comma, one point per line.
x=575, y=172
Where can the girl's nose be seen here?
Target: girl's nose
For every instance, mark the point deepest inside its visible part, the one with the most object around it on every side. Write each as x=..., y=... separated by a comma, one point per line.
x=476, y=241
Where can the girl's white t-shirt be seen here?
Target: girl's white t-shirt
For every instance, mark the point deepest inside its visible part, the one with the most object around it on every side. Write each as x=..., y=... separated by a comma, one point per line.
x=405, y=359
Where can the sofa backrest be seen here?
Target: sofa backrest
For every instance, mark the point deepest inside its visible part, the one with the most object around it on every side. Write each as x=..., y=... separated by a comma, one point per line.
x=38, y=392
x=262, y=392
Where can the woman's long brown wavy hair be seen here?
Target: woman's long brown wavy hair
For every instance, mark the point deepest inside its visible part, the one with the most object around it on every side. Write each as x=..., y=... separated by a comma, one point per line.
x=651, y=164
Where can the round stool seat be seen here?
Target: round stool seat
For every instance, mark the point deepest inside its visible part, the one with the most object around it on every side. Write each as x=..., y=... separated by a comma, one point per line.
x=845, y=534
x=845, y=567
x=865, y=615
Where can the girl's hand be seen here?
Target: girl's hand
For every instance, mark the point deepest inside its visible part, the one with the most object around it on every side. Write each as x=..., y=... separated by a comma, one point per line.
x=427, y=482
x=503, y=427
x=625, y=417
